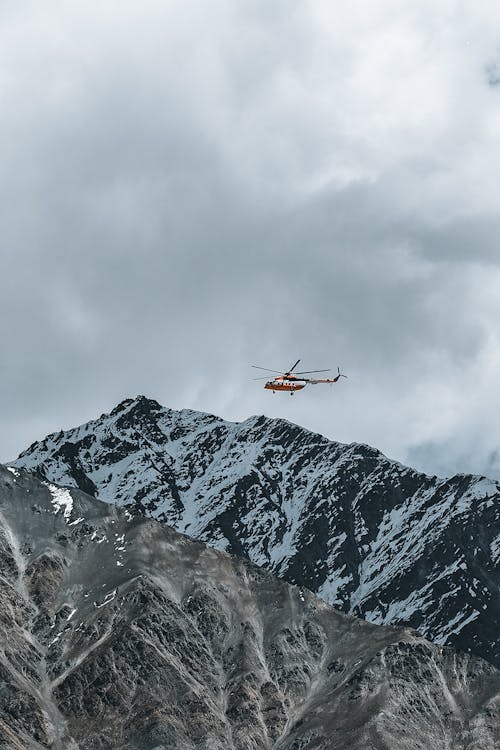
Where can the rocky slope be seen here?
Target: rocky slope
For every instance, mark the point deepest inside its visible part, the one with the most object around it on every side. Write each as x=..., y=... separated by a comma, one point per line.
x=117, y=632
x=368, y=535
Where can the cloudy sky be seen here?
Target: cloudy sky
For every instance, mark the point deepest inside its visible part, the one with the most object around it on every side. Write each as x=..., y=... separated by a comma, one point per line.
x=189, y=188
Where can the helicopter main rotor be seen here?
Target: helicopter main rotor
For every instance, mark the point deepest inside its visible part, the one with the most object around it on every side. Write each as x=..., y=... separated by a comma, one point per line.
x=289, y=373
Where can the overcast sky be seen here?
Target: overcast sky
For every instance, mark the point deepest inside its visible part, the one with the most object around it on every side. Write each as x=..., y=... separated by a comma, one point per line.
x=189, y=188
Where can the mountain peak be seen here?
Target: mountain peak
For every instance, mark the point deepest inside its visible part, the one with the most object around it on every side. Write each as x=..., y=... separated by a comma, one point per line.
x=125, y=404
x=139, y=403
x=367, y=534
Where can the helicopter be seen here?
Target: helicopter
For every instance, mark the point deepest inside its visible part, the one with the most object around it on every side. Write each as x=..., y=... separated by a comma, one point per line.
x=291, y=381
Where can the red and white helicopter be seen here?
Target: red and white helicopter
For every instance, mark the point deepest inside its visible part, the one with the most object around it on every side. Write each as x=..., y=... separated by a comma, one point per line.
x=291, y=381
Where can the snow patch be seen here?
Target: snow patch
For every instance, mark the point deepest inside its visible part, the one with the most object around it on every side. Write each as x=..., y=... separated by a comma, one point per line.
x=495, y=549
x=61, y=499
x=107, y=599
x=455, y=625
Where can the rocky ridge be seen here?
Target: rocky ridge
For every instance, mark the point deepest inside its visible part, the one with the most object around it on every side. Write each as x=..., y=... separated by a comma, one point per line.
x=118, y=632
x=368, y=535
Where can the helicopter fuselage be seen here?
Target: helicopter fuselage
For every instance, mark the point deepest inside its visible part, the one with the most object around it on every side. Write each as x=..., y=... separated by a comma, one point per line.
x=285, y=384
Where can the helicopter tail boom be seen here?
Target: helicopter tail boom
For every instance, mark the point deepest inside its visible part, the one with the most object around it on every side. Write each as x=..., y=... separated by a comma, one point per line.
x=328, y=380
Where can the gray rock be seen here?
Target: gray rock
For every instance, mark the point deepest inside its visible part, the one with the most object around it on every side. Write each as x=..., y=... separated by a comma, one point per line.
x=118, y=632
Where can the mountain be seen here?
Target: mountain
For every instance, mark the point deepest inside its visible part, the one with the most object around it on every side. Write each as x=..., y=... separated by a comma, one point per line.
x=368, y=535
x=119, y=633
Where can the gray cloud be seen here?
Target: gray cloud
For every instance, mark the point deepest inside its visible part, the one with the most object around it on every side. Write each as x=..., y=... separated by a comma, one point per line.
x=186, y=191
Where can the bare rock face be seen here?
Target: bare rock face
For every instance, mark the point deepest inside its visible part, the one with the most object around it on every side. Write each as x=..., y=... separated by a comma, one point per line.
x=368, y=535
x=118, y=632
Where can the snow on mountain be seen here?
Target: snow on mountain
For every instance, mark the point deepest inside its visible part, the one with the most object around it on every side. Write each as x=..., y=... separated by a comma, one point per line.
x=368, y=535
x=119, y=633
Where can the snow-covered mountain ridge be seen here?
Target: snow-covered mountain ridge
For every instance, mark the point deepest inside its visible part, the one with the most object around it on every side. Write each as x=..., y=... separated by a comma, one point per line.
x=117, y=633
x=367, y=534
